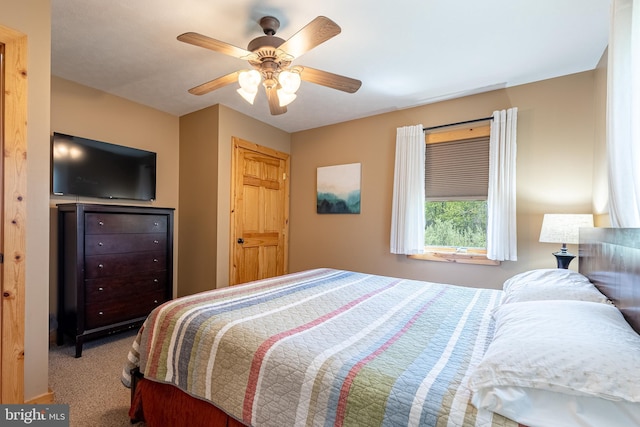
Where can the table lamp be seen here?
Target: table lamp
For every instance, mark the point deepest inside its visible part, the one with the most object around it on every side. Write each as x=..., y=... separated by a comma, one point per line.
x=563, y=228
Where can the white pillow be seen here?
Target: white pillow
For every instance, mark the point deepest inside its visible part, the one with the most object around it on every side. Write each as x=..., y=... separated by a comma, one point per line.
x=565, y=348
x=550, y=284
x=542, y=408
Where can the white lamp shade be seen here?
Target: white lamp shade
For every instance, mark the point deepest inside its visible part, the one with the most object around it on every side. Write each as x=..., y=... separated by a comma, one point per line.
x=564, y=228
x=248, y=96
x=249, y=82
x=289, y=81
x=285, y=98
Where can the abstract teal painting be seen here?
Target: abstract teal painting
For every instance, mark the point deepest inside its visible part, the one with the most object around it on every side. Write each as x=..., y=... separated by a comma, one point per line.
x=338, y=189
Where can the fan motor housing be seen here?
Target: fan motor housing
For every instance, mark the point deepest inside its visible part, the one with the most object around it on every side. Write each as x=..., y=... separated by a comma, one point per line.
x=264, y=41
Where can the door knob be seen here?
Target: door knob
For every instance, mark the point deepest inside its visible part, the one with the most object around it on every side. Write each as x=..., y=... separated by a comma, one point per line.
x=240, y=240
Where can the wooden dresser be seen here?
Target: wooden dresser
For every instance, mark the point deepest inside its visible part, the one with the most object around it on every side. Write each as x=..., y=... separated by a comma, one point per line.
x=115, y=265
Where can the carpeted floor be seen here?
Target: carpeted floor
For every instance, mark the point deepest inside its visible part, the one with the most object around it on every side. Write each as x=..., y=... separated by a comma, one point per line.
x=91, y=384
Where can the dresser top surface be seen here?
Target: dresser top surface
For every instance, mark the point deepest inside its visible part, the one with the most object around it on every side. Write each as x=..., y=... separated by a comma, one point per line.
x=95, y=207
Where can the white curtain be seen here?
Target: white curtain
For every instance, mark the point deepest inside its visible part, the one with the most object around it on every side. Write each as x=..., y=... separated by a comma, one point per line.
x=501, y=197
x=407, y=215
x=623, y=114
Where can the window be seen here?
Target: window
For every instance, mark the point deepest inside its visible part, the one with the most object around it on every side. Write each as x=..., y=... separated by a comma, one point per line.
x=456, y=184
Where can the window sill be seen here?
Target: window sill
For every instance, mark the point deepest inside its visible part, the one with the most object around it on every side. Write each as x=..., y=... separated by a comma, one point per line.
x=446, y=255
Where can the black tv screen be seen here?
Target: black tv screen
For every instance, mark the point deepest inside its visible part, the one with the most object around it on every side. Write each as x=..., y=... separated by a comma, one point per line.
x=89, y=168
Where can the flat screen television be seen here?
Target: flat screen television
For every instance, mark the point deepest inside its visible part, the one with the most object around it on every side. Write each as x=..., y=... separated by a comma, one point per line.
x=89, y=168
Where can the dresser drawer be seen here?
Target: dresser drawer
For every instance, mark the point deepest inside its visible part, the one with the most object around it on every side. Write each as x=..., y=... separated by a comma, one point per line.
x=111, y=265
x=106, y=313
x=95, y=244
x=106, y=223
x=125, y=287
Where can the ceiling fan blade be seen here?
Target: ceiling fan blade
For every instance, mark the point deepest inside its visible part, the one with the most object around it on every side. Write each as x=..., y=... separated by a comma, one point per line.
x=315, y=32
x=214, y=84
x=334, y=81
x=274, y=102
x=213, y=44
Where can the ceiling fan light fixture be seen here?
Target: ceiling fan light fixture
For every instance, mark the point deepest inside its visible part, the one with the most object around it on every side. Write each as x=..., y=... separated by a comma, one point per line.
x=249, y=82
x=248, y=96
x=285, y=98
x=289, y=81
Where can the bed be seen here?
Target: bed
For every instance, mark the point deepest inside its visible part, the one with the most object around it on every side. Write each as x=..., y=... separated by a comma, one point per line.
x=343, y=348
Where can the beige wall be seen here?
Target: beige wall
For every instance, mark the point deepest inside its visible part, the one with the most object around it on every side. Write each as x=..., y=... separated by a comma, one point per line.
x=198, y=200
x=89, y=113
x=554, y=174
x=32, y=18
x=205, y=190
x=600, y=170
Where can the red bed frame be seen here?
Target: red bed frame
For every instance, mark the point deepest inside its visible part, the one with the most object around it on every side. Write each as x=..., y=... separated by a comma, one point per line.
x=163, y=405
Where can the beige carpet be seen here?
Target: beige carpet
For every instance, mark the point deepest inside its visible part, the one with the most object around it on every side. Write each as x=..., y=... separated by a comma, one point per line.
x=91, y=384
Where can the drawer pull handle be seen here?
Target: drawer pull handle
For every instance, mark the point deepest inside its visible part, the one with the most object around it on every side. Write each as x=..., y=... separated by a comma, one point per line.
x=155, y=260
x=155, y=301
x=100, y=266
x=100, y=223
x=156, y=242
x=100, y=289
x=157, y=224
x=100, y=244
x=155, y=280
x=100, y=313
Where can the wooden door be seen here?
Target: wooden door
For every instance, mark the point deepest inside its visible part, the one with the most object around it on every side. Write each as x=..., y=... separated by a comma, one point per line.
x=13, y=178
x=259, y=212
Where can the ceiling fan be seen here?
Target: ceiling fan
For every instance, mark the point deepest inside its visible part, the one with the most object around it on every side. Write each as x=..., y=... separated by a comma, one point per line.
x=271, y=59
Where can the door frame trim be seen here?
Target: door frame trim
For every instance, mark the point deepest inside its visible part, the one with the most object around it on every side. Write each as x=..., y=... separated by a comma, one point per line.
x=13, y=220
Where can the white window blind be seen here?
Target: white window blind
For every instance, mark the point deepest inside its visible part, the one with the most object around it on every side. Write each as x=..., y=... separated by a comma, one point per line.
x=457, y=170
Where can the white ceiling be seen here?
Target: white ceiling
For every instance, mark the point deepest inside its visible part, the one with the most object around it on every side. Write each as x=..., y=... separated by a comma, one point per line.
x=405, y=52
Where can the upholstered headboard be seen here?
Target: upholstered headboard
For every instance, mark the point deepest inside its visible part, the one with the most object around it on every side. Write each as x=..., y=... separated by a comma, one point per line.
x=610, y=258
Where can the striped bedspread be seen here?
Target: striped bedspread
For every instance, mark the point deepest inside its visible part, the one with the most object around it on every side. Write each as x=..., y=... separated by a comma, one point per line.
x=325, y=347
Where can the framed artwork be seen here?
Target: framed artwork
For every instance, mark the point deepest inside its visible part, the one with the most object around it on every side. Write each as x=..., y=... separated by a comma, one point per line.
x=338, y=189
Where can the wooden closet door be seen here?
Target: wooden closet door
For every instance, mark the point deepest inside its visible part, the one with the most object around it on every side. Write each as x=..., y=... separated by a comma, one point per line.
x=259, y=213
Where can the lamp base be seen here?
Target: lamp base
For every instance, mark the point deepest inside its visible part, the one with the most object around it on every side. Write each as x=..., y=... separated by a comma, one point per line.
x=564, y=259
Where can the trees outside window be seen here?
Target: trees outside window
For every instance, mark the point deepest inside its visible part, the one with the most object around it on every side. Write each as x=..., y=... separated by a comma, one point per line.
x=457, y=223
